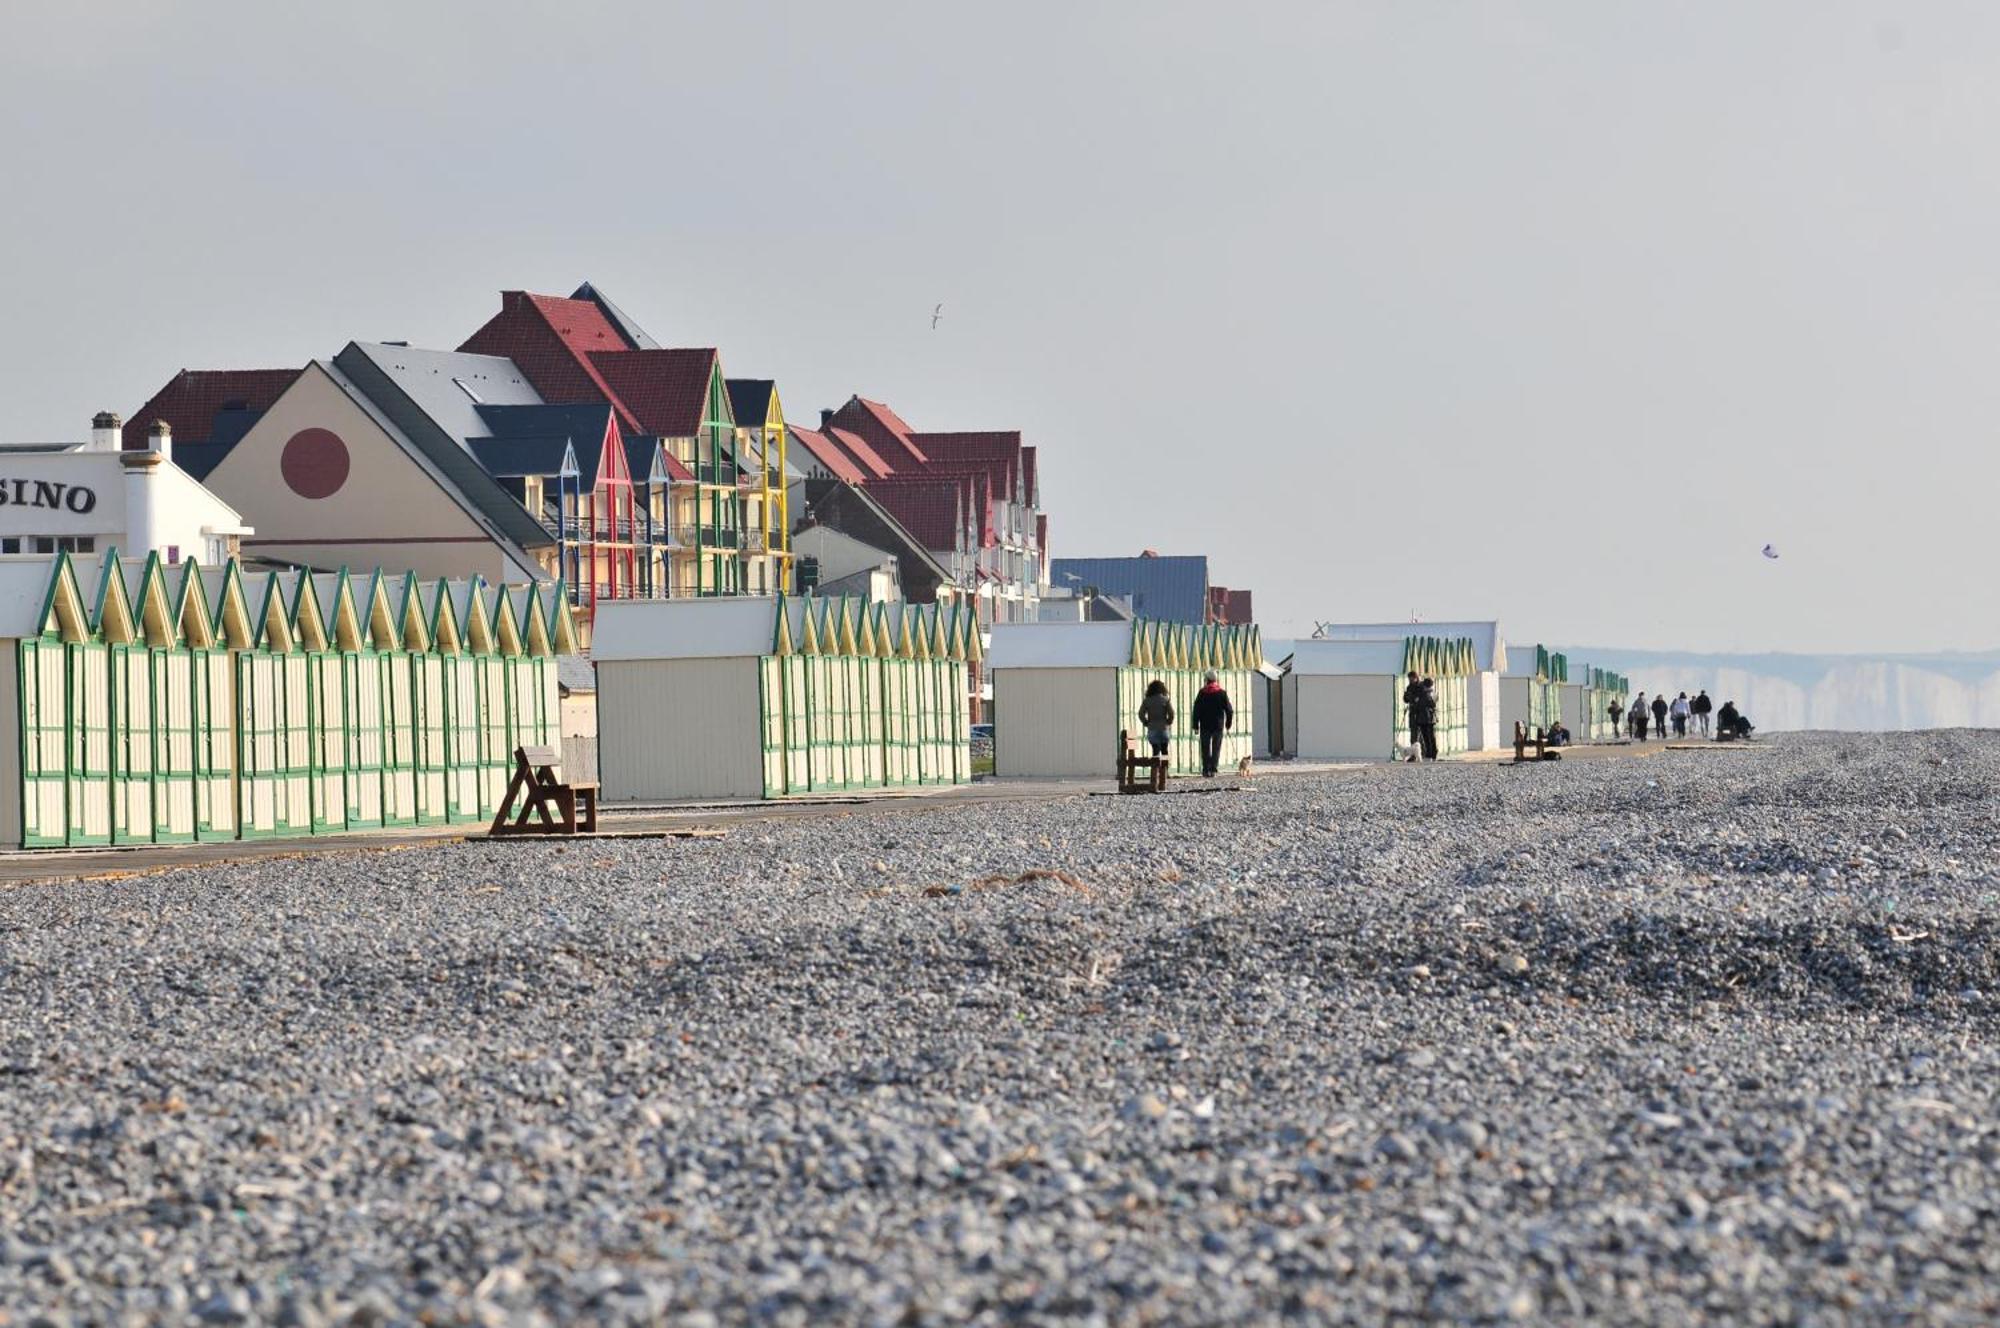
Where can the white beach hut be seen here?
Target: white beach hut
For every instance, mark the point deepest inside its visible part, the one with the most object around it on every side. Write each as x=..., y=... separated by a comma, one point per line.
x=754, y=697
x=1063, y=691
x=1343, y=699
x=1484, y=731
x=1530, y=691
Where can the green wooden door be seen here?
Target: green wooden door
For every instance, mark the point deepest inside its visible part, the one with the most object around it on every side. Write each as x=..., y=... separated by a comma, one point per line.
x=260, y=711
x=45, y=743
x=175, y=746
x=216, y=719
x=90, y=757
x=327, y=740
x=399, y=754
x=365, y=737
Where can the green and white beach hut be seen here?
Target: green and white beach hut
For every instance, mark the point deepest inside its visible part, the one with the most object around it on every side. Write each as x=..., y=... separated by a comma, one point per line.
x=1063, y=691
x=157, y=703
x=754, y=697
x=1343, y=699
x=1531, y=691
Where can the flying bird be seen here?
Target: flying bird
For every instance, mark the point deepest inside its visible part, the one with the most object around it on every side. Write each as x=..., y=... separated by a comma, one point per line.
x=936, y=314
x=1771, y=552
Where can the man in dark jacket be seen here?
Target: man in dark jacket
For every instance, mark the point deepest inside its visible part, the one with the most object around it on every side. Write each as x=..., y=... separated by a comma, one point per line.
x=1212, y=716
x=1420, y=698
x=1701, y=707
x=1660, y=715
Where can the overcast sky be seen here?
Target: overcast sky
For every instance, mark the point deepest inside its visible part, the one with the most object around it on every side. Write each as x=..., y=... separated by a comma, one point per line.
x=1556, y=313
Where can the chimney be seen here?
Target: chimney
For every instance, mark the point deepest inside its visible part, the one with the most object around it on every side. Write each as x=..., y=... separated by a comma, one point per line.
x=825, y=417
x=105, y=430
x=160, y=438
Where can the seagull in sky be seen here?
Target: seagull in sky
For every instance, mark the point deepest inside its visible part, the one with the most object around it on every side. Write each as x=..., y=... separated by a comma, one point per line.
x=936, y=314
x=1771, y=552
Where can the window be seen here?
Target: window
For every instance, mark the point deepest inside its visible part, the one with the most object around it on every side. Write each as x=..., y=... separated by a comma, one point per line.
x=65, y=543
x=11, y=544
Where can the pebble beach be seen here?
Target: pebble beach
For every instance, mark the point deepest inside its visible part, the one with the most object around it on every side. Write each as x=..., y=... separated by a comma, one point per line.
x=1702, y=1036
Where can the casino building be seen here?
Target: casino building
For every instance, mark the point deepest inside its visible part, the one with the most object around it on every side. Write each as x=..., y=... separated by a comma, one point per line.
x=93, y=496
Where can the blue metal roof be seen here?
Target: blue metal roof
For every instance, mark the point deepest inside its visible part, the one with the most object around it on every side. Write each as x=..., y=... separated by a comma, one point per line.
x=1169, y=589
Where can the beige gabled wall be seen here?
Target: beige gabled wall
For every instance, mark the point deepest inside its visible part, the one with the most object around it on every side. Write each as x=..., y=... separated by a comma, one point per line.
x=401, y=516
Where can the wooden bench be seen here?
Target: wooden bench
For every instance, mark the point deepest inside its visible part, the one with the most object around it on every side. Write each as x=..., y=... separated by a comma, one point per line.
x=544, y=795
x=1136, y=773
x=1522, y=741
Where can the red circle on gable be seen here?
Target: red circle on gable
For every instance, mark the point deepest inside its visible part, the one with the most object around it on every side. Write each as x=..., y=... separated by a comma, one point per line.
x=314, y=463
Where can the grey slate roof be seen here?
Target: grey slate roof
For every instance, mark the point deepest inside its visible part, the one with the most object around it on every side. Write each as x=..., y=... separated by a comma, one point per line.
x=630, y=330
x=584, y=426
x=422, y=395
x=1166, y=589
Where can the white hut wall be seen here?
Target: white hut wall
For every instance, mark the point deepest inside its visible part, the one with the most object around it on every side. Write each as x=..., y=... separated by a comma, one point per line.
x=679, y=728
x=1055, y=722
x=1345, y=717
x=1487, y=726
x=15, y=794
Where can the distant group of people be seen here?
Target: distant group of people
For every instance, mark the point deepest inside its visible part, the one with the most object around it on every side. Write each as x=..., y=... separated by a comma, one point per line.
x=1686, y=715
x=1212, y=716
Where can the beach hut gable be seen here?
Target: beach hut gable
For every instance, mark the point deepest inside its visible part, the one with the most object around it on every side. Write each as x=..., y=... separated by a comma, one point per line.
x=408, y=600
x=308, y=616
x=63, y=612
x=809, y=634
x=475, y=627
x=196, y=627
x=442, y=623
x=111, y=618
x=153, y=607
x=234, y=627
x=271, y=627
x=781, y=627
x=849, y=643
x=534, y=623
x=562, y=621
x=506, y=623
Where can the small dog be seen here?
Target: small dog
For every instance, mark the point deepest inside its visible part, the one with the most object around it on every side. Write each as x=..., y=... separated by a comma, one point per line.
x=1243, y=768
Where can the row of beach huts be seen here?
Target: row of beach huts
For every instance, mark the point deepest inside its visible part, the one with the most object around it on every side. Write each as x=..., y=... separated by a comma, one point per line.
x=155, y=703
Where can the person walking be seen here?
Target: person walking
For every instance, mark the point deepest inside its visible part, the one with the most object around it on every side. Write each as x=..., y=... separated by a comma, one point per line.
x=1156, y=716
x=1660, y=716
x=1430, y=720
x=1680, y=711
x=1617, y=713
x=1637, y=716
x=1213, y=716
x=1420, y=701
x=1701, y=707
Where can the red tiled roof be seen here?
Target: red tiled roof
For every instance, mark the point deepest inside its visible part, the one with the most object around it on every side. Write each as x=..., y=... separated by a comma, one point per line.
x=997, y=453
x=931, y=510
x=1042, y=533
x=1029, y=476
x=550, y=341
x=1239, y=608
x=977, y=487
x=858, y=450
x=666, y=390
x=883, y=428
x=828, y=454
x=190, y=400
